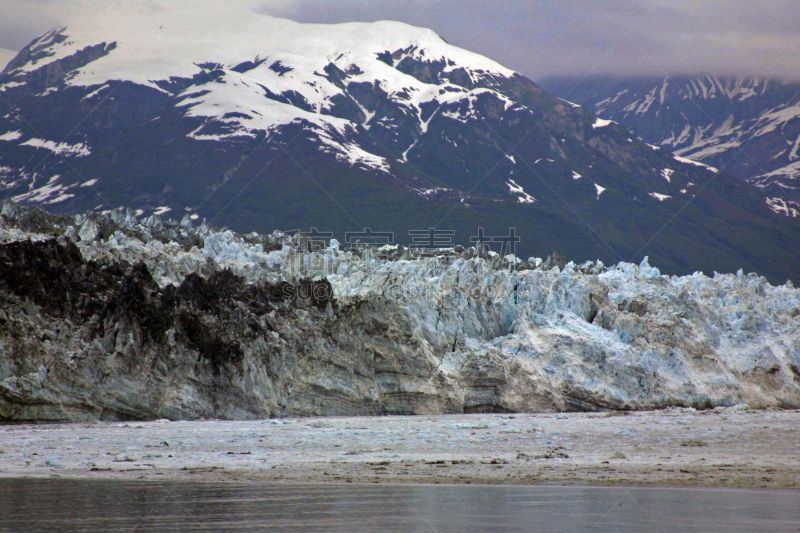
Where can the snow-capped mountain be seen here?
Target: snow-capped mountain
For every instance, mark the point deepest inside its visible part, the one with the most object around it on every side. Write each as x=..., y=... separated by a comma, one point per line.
x=261, y=123
x=748, y=126
x=281, y=74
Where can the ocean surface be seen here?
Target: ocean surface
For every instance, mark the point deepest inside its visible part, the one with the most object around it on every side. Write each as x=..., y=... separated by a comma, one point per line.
x=60, y=505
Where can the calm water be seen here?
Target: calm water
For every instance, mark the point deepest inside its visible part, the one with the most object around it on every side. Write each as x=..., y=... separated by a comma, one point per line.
x=30, y=505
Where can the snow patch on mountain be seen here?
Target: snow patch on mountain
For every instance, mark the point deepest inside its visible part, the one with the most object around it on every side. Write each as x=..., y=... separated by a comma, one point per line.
x=95, y=93
x=696, y=163
x=603, y=103
x=659, y=197
x=430, y=192
x=65, y=149
x=571, y=104
x=794, y=153
x=11, y=136
x=48, y=194
x=240, y=104
x=773, y=120
x=463, y=102
x=784, y=207
x=709, y=147
x=524, y=197
x=600, y=190
x=354, y=154
x=779, y=177
x=602, y=123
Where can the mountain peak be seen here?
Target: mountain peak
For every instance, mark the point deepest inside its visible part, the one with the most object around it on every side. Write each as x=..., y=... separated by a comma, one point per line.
x=221, y=65
x=147, y=50
x=261, y=123
x=748, y=125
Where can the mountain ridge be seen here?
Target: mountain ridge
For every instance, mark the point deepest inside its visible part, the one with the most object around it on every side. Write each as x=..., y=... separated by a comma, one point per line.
x=748, y=125
x=315, y=132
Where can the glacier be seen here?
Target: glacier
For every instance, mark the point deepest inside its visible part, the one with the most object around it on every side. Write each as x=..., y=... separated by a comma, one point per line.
x=364, y=331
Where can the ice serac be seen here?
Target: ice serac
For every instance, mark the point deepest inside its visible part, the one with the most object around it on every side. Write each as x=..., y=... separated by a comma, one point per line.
x=115, y=317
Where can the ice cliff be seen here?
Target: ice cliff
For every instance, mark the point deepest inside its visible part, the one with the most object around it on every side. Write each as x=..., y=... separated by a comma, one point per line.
x=116, y=317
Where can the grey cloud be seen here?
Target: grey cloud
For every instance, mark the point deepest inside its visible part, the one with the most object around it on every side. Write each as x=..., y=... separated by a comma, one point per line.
x=542, y=38
x=575, y=37
x=22, y=20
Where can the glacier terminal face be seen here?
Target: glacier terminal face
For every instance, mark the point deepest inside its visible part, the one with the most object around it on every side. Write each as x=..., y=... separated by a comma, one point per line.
x=121, y=317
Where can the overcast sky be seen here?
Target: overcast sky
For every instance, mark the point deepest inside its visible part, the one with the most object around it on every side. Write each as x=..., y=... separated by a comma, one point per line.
x=541, y=38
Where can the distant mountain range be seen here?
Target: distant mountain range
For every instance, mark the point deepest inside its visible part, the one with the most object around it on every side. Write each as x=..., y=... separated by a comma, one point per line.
x=750, y=127
x=261, y=123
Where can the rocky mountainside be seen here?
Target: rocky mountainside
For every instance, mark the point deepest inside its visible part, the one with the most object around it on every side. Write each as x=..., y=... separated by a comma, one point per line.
x=114, y=317
x=260, y=123
x=748, y=126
